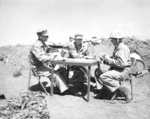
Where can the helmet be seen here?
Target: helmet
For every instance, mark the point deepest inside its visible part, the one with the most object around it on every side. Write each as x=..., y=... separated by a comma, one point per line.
x=117, y=33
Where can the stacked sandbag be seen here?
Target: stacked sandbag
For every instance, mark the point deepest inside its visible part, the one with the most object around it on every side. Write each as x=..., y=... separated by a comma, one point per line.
x=28, y=105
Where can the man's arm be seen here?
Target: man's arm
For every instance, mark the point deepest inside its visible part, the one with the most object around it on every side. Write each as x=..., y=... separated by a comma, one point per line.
x=41, y=54
x=120, y=60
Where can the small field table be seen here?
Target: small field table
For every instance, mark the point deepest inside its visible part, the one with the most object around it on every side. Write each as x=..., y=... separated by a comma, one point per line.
x=74, y=62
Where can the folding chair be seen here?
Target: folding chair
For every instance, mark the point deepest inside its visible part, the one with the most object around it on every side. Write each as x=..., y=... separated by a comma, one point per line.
x=33, y=71
x=129, y=77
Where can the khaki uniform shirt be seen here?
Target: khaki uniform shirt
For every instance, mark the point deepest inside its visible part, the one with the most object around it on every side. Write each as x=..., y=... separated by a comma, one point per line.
x=76, y=53
x=121, y=57
x=39, y=54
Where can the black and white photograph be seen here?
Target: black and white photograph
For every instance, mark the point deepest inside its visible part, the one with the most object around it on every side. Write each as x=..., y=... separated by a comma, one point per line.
x=74, y=59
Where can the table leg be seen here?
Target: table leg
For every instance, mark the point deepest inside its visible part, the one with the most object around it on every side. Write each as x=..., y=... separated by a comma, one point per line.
x=52, y=81
x=89, y=80
x=67, y=74
x=131, y=81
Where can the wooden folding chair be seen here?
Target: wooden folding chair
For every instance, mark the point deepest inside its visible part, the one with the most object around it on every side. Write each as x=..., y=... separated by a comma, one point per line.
x=121, y=83
x=33, y=71
x=129, y=78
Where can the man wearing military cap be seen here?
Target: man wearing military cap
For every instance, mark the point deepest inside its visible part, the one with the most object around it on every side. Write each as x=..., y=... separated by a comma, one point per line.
x=39, y=56
x=42, y=32
x=77, y=50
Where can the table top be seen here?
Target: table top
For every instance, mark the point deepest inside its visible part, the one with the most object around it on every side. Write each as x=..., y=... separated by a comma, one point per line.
x=77, y=62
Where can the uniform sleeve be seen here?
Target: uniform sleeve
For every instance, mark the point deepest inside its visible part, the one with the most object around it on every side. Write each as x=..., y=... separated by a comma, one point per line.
x=120, y=59
x=41, y=54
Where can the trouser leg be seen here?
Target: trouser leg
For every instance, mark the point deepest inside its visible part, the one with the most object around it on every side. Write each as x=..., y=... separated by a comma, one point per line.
x=111, y=79
x=60, y=81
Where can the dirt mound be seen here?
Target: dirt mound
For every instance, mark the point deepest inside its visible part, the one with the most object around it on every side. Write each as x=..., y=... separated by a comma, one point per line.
x=140, y=47
x=16, y=59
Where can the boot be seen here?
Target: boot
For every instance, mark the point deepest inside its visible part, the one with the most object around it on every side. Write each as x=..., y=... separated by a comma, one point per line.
x=126, y=92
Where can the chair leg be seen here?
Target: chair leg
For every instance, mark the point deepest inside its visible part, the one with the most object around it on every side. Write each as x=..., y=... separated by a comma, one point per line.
x=44, y=88
x=29, y=79
x=131, y=82
x=39, y=82
x=113, y=97
x=67, y=74
x=121, y=83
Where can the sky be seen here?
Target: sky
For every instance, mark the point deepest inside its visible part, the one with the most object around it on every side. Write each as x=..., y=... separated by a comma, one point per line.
x=21, y=19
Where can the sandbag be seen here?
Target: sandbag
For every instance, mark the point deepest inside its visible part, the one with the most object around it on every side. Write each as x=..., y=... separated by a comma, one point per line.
x=27, y=105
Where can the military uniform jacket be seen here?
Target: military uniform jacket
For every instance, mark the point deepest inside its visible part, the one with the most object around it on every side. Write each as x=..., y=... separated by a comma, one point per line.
x=39, y=54
x=76, y=53
x=121, y=57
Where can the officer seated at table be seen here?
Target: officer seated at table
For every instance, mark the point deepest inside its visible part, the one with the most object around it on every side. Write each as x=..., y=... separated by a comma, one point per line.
x=78, y=49
x=119, y=64
x=40, y=54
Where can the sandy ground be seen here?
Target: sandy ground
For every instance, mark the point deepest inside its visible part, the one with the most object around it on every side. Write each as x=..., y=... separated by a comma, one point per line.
x=69, y=106
x=74, y=107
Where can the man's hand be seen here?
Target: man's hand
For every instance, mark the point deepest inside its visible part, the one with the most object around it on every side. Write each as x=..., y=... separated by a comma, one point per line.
x=102, y=55
x=106, y=58
x=59, y=58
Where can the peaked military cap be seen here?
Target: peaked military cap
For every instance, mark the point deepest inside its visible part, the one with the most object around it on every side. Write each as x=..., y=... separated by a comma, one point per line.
x=42, y=32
